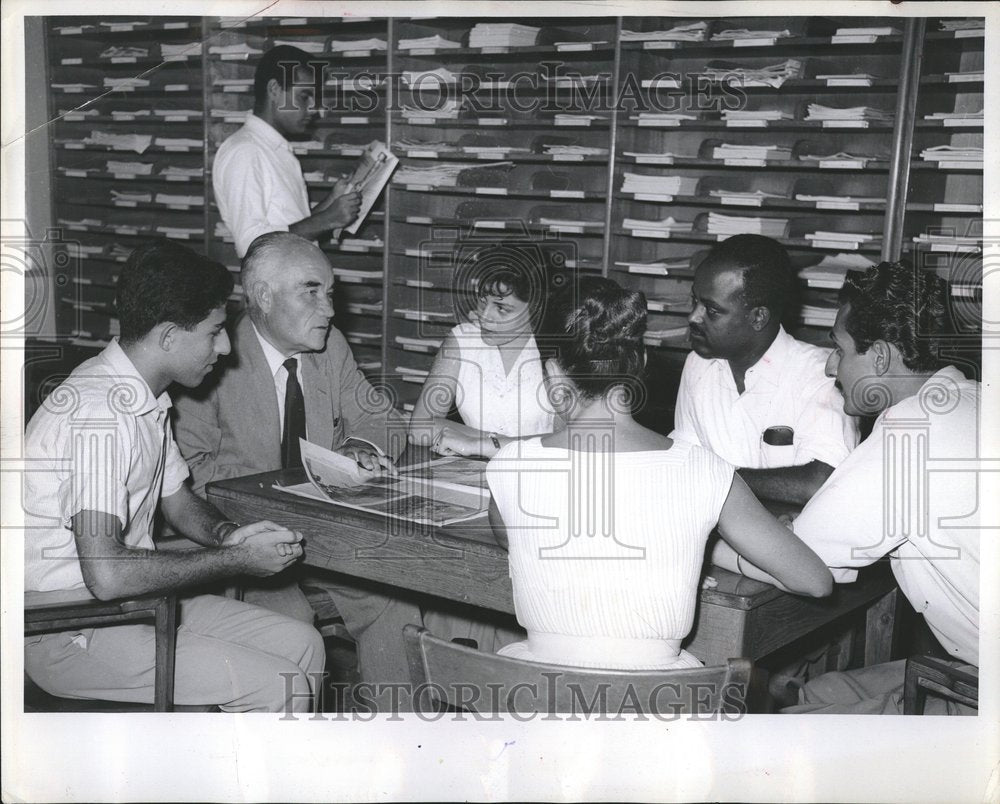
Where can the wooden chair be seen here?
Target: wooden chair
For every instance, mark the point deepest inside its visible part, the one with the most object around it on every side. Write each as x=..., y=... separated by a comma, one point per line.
x=448, y=675
x=925, y=674
x=58, y=611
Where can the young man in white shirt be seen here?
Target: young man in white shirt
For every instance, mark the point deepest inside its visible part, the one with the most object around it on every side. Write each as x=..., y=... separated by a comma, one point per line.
x=750, y=392
x=257, y=178
x=104, y=463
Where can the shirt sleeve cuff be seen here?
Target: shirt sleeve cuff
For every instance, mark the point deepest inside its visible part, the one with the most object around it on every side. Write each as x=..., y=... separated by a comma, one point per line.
x=86, y=492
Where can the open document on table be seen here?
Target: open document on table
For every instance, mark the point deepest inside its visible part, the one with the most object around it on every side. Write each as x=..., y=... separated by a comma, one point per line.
x=426, y=494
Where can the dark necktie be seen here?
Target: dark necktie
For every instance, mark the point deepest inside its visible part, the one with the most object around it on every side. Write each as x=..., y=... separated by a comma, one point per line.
x=295, y=418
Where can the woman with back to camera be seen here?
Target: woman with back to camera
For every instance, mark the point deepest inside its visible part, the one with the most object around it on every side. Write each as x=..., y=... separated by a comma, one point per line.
x=606, y=520
x=489, y=367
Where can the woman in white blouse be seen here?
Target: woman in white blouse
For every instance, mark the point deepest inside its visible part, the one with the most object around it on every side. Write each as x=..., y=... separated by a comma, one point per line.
x=489, y=367
x=607, y=521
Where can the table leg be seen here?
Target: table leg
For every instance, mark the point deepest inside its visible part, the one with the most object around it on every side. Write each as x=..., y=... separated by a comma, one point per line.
x=879, y=629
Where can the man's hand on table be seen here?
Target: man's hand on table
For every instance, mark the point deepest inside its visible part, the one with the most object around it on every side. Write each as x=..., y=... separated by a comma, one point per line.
x=371, y=463
x=266, y=548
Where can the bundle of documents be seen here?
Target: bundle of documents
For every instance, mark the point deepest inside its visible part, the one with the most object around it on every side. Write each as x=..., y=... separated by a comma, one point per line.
x=832, y=269
x=950, y=156
x=413, y=147
x=355, y=45
x=818, y=315
x=743, y=198
x=125, y=83
x=719, y=224
x=79, y=87
x=677, y=303
x=959, y=118
x=173, y=199
x=181, y=232
x=182, y=172
x=309, y=46
x=848, y=79
x=658, y=267
x=129, y=168
x=178, y=142
x=177, y=114
x=435, y=42
x=655, y=158
x=574, y=80
x=449, y=110
x=429, y=78
x=564, y=224
x=655, y=119
x=77, y=114
x=967, y=75
x=967, y=24
x=849, y=202
x=503, y=34
x=754, y=117
x=130, y=197
x=444, y=174
x=664, y=227
x=575, y=119
x=120, y=142
x=773, y=75
x=553, y=149
x=129, y=114
x=729, y=150
x=642, y=184
x=90, y=250
x=502, y=150
x=180, y=50
x=843, y=160
x=843, y=240
x=940, y=241
x=241, y=49
x=854, y=114
x=689, y=32
x=78, y=224
x=124, y=52
x=845, y=36
x=742, y=33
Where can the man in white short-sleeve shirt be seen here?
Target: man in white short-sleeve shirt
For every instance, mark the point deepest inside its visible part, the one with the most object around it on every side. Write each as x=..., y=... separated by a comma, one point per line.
x=103, y=463
x=256, y=176
x=750, y=392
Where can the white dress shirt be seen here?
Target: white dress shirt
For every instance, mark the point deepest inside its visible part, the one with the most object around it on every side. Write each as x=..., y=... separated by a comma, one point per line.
x=787, y=387
x=101, y=442
x=276, y=363
x=258, y=183
x=910, y=491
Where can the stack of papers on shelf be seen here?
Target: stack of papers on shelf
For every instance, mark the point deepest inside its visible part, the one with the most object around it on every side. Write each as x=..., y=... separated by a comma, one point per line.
x=848, y=79
x=680, y=267
x=120, y=142
x=968, y=75
x=567, y=223
x=862, y=35
x=762, y=152
x=444, y=174
x=719, y=224
x=119, y=253
x=950, y=156
x=124, y=52
x=177, y=170
x=818, y=315
x=774, y=75
x=129, y=114
x=654, y=337
x=663, y=227
x=830, y=271
x=233, y=82
x=429, y=78
x=309, y=46
x=842, y=159
x=754, y=117
x=504, y=34
x=743, y=33
x=231, y=115
x=553, y=149
x=241, y=49
x=435, y=42
x=668, y=186
x=690, y=32
x=178, y=142
x=854, y=116
x=574, y=80
x=449, y=110
x=844, y=240
x=662, y=118
x=575, y=119
x=71, y=114
x=941, y=241
x=177, y=113
x=653, y=158
x=132, y=168
x=180, y=200
x=81, y=223
x=413, y=147
x=180, y=50
x=353, y=45
x=130, y=197
x=181, y=232
x=502, y=150
x=677, y=303
x=125, y=83
x=750, y=198
x=74, y=87
x=93, y=251
x=967, y=24
x=956, y=118
x=839, y=201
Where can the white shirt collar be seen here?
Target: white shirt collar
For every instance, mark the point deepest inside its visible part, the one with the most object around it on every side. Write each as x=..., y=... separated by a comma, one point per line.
x=768, y=368
x=275, y=360
x=267, y=133
x=143, y=400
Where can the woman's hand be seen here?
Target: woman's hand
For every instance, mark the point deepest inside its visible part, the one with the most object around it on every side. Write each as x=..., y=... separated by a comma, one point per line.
x=451, y=442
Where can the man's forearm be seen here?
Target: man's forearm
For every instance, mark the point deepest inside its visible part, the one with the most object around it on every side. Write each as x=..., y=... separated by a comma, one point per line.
x=789, y=484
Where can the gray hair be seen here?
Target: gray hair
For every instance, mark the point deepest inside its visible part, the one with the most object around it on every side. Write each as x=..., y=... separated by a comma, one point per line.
x=263, y=260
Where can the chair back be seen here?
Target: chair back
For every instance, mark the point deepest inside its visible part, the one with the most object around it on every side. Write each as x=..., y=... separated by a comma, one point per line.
x=447, y=675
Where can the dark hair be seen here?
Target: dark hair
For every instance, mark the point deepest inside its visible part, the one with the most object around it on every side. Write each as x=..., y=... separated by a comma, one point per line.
x=767, y=271
x=165, y=281
x=899, y=304
x=270, y=66
x=502, y=269
x=594, y=331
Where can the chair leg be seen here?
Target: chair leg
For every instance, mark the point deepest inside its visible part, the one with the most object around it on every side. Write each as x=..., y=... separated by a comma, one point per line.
x=166, y=645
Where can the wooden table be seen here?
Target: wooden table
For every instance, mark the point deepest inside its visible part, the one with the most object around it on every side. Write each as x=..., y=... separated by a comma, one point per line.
x=740, y=617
